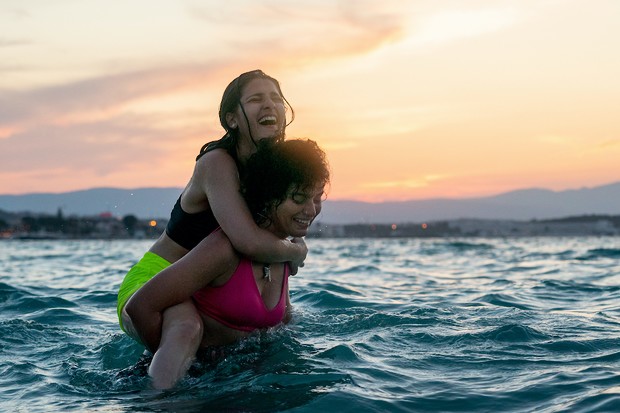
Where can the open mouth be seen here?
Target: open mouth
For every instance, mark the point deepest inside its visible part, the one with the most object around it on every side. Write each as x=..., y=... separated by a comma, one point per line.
x=268, y=120
x=304, y=222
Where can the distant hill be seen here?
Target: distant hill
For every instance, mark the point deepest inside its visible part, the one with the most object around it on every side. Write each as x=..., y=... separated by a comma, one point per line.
x=523, y=204
x=142, y=202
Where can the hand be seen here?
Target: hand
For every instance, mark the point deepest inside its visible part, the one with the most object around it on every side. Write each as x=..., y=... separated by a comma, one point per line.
x=303, y=252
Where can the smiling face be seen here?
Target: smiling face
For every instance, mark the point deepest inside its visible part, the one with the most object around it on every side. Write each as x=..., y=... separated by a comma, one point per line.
x=283, y=185
x=264, y=112
x=295, y=213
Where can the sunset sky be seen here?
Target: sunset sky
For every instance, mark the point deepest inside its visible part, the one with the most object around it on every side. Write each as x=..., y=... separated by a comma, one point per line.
x=411, y=99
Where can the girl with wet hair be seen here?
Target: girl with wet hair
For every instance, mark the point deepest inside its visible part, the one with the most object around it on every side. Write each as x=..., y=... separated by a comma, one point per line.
x=283, y=184
x=229, y=104
x=252, y=109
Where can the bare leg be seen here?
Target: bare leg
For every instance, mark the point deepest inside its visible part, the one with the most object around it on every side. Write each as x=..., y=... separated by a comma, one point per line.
x=181, y=335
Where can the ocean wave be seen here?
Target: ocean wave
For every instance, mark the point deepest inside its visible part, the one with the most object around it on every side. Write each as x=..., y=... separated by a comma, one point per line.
x=378, y=325
x=596, y=253
x=504, y=300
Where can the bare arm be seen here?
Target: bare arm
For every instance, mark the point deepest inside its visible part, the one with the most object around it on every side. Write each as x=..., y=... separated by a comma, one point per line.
x=214, y=256
x=220, y=181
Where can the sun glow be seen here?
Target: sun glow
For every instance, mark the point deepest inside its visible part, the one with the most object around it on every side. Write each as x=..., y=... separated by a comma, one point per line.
x=410, y=101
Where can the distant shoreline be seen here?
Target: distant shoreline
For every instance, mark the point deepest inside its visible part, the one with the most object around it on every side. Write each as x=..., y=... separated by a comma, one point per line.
x=156, y=203
x=583, y=225
x=27, y=226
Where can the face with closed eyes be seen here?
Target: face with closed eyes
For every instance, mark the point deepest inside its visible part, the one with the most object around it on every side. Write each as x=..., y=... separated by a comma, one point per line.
x=295, y=213
x=264, y=109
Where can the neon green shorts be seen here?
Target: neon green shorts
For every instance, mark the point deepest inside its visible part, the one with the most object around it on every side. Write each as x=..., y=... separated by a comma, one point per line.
x=137, y=276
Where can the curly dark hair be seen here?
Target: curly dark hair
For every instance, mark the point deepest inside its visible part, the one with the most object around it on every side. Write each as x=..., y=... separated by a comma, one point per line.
x=276, y=168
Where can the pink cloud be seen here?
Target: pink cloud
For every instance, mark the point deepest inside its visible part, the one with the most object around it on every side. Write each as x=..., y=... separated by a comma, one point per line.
x=100, y=93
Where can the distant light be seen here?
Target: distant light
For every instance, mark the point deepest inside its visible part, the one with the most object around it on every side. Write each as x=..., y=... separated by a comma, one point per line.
x=424, y=226
x=394, y=226
x=153, y=223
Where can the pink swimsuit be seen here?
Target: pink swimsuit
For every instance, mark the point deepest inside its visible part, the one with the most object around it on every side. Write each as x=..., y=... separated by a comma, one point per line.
x=238, y=303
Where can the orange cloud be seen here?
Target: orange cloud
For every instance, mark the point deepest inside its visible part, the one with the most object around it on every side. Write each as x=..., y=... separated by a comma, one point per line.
x=612, y=143
x=395, y=92
x=6, y=131
x=296, y=34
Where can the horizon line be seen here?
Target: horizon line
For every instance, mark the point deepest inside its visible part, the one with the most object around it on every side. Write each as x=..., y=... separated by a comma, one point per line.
x=180, y=188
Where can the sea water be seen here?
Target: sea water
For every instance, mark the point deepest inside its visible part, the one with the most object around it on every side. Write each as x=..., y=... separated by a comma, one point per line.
x=385, y=325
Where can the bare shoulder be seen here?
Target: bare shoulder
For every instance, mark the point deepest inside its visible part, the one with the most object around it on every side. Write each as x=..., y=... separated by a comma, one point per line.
x=214, y=160
x=224, y=256
x=214, y=168
x=217, y=176
x=216, y=249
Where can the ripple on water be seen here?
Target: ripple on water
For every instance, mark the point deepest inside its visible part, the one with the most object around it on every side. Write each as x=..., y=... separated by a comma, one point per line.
x=504, y=300
x=379, y=325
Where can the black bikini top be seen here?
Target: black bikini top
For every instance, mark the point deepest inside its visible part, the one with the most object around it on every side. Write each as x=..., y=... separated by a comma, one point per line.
x=188, y=230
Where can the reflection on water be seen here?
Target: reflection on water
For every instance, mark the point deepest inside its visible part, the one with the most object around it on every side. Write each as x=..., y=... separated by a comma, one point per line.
x=528, y=324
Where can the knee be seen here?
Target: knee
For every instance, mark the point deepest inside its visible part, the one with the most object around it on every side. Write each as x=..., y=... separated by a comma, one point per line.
x=188, y=328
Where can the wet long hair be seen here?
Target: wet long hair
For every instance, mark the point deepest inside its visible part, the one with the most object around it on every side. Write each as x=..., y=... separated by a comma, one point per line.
x=231, y=99
x=276, y=168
